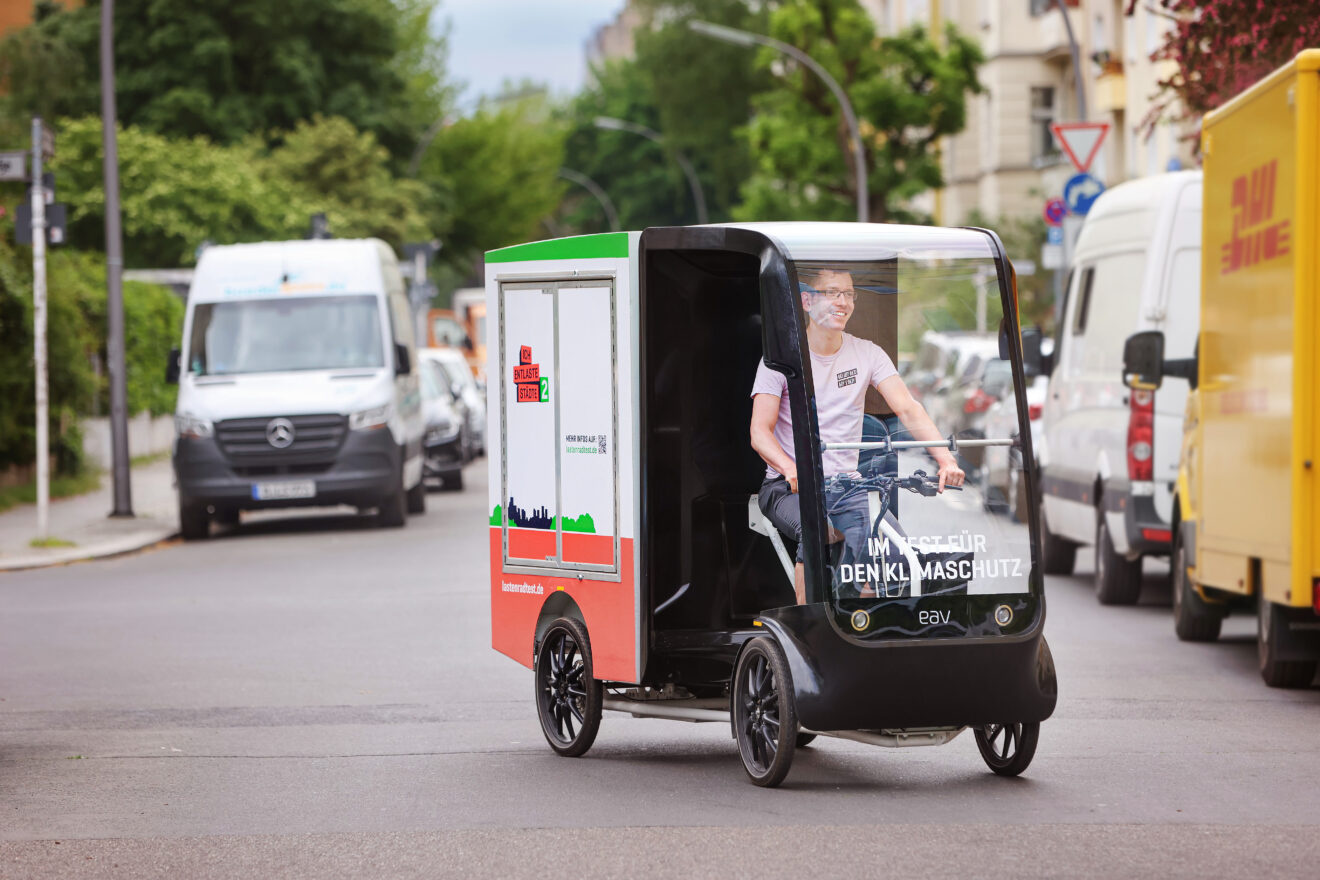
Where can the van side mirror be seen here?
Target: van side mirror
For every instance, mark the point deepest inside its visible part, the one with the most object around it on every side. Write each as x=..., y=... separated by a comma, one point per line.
x=172, y=366
x=467, y=344
x=402, y=362
x=1032, y=360
x=1143, y=360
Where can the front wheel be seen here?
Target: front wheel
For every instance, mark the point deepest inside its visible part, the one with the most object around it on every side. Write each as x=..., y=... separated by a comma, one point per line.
x=568, y=698
x=1060, y=554
x=417, y=498
x=1193, y=619
x=1007, y=749
x=194, y=521
x=764, y=713
x=1278, y=673
x=1117, y=578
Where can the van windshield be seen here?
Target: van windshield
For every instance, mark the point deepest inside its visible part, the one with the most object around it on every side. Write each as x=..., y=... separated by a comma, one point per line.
x=279, y=335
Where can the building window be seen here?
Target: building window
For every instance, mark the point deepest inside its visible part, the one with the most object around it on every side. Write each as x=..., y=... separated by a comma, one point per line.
x=1043, y=147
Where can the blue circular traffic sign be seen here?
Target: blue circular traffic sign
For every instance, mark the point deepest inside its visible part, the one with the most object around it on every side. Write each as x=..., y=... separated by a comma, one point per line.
x=1080, y=192
x=1055, y=211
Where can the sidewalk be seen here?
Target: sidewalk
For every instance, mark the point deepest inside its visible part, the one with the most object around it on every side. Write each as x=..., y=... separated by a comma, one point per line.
x=84, y=520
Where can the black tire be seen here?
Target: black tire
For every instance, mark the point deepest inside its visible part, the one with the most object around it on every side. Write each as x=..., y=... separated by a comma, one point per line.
x=194, y=521
x=1060, y=554
x=417, y=498
x=1276, y=672
x=1193, y=619
x=1117, y=578
x=453, y=481
x=393, y=510
x=804, y=739
x=764, y=714
x=992, y=497
x=227, y=516
x=1007, y=749
x=566, y=689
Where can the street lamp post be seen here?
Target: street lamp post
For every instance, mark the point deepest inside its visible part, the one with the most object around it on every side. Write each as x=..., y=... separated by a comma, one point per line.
x=698, y=196
x=606, y=203
x=746, y=38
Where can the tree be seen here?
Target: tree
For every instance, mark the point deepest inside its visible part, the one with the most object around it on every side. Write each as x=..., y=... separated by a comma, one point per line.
x=1222, y=47
x=906, y=91
x=225, y=69
x=177, y=193
x=497, y=175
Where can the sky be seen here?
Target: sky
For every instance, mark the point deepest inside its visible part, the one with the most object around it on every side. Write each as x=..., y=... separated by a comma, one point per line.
x=494, y=40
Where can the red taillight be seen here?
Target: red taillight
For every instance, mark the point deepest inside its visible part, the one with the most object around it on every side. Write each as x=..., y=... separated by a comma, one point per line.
x=1034, y=410
x=978, y=402
x=1141, y=437
x=1162, y=535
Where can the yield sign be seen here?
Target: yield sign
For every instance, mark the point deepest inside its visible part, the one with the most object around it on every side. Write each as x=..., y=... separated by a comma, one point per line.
x=1080, y=140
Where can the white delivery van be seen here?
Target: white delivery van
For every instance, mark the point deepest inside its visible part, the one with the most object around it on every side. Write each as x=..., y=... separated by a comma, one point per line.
x=1109, y=456
x=297, y=384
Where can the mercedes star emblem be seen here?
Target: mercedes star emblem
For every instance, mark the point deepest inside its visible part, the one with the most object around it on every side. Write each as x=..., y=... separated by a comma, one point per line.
x=279, y=433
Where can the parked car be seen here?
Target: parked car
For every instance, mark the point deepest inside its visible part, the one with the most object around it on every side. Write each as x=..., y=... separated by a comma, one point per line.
x=942, y=360
x=1109, y=456
x=443, y=445
x=471, y=397
x=982, y=383
x=1000, y=478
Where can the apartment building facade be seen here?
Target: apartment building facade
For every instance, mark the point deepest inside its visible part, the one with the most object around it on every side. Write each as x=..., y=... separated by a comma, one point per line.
x=1006, y=162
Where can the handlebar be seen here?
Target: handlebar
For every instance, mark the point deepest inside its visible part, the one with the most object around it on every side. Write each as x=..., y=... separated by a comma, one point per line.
x=918, y=482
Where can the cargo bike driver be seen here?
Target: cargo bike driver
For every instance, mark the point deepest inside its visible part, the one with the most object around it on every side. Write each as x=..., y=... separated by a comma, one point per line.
x=643, y=578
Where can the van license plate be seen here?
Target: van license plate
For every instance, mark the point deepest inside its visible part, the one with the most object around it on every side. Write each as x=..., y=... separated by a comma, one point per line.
x=284, y=491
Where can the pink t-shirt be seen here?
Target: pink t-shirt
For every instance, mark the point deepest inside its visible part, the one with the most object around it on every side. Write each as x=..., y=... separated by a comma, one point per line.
x=841, y=381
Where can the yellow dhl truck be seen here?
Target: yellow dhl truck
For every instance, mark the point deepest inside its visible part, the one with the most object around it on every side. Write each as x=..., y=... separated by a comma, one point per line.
x=1247, y=504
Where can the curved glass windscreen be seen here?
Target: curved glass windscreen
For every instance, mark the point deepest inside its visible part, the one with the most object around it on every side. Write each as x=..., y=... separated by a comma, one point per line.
x=919, y=427
x=293, y=333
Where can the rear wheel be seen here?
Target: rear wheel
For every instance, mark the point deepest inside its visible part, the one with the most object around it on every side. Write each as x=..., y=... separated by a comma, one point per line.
x=804, y=739
x=194, y=521
x=1007, y=749
x=568, y=698
x=453, y=481
x=417, y=498
x=393, y=510
x=1117, y=578
x=1278, y=673
x=764, y=715
x=1194, y=620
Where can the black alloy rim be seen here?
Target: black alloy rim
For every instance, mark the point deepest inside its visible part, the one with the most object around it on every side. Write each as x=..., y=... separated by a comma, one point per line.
x=563, y=691
x=1004, y=751
x=760, y=711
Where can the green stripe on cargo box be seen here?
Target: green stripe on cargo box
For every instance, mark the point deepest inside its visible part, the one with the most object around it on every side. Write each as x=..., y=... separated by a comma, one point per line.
x=580, y=247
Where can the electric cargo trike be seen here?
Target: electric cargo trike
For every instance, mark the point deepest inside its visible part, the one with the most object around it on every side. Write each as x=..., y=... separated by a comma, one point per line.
x=634, y=566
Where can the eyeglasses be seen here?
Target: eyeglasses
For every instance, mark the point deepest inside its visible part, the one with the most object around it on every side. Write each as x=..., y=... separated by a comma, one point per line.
x=849, y=295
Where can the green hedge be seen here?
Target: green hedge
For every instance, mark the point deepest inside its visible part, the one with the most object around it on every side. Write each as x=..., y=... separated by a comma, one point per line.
x=75, y=339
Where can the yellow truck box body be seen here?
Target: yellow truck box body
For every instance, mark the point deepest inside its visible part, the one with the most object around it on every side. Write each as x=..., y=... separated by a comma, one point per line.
x=1252, y=468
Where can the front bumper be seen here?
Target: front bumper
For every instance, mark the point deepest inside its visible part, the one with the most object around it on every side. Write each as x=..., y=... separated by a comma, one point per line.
x=365, y=470
x=442, y=456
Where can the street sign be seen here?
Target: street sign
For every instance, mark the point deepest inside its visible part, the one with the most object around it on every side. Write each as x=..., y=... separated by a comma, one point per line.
x=1051, y=256
x=1024, y=267
x=13, y=165
x=1080, y=192
x=1055, y=211
x=48, y=188
x=1080, y=140
x=1054, y=235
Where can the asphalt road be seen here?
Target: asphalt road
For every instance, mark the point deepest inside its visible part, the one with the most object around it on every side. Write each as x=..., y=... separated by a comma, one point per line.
x=311, y=696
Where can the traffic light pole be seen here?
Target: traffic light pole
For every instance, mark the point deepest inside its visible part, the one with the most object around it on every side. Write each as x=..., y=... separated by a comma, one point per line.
x=39, y=332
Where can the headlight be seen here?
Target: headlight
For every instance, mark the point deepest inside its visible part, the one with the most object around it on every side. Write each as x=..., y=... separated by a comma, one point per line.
x=441, y=432
x=369, y=418
x=192, y=427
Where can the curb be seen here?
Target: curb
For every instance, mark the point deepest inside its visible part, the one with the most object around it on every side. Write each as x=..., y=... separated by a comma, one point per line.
x=106, y=549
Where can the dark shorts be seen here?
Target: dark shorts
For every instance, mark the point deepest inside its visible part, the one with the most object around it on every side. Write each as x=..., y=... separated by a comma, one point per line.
x=846, y=512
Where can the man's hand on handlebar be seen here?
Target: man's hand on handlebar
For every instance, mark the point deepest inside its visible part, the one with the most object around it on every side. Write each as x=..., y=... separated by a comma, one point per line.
x=950, y=474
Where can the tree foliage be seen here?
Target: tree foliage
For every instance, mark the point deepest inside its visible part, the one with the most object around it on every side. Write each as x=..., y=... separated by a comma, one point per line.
x=694, y=91
x=1222, y=47
x=498, y=175
x=225, y=69
x=178, y=193
x=906, y=91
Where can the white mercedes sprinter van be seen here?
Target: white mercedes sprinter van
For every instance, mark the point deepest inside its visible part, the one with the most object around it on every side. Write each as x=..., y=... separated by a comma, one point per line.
x=297, y=384
x=1109, y=456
